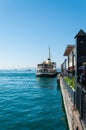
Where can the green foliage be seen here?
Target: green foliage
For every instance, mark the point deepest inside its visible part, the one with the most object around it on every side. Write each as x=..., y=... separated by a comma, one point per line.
x=70, y=81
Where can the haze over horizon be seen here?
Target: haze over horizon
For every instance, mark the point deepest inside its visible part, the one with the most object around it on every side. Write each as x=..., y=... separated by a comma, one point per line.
x=28, y=27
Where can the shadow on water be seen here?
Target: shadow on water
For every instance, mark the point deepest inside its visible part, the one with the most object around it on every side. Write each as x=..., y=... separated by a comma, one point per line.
x=58, y=86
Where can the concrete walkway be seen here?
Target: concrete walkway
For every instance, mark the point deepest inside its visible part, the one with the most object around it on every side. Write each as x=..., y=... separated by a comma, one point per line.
x=71, y=112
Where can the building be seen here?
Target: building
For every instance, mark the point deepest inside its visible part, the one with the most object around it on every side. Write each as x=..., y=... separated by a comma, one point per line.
x=70, y=53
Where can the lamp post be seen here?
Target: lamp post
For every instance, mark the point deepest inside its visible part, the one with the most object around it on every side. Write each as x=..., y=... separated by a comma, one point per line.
x=73, y=72
x=65, y=63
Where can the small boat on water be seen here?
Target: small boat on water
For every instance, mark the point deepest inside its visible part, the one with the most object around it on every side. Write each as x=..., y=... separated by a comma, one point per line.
x=46, y=68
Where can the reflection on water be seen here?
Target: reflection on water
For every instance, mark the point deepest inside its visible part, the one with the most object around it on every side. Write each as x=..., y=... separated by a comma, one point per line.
x=46, y=82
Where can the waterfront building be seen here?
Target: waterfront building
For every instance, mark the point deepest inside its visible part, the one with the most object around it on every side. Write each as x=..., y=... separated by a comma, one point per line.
x=70, y=53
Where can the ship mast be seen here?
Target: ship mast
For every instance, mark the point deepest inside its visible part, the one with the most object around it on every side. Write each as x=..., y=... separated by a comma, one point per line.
x=49, y=59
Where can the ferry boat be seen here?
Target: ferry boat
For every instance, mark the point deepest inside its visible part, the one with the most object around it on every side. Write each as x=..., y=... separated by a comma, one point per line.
x=46, y=68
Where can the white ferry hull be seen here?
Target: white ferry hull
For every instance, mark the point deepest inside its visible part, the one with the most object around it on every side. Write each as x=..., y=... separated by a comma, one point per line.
x=46, y=74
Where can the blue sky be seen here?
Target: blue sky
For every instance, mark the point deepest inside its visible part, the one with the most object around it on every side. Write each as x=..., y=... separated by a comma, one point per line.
x=28, y=27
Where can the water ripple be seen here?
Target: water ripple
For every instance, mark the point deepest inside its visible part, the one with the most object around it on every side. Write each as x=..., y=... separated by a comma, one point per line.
x=30, y=103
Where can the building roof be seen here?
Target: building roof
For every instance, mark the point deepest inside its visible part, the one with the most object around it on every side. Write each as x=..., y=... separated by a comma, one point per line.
x=80, y=33
x=68, y=49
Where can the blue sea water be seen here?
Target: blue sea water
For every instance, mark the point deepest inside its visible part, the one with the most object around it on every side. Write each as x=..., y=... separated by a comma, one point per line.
x=30, y=103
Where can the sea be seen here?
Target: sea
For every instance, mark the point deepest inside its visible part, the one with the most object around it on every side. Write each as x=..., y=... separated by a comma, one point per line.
x=28, y=102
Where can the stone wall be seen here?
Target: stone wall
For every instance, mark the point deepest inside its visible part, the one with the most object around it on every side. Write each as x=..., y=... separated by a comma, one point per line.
x=72, y=114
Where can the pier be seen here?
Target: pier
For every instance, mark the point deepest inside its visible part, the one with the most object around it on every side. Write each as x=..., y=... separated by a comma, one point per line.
x=71, y=112
x=73, y=82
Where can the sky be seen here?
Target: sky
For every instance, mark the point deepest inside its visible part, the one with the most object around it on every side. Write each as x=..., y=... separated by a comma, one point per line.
x=29, y=27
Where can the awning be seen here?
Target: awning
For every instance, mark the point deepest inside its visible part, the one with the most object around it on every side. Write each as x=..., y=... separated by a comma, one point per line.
x=69, y=48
